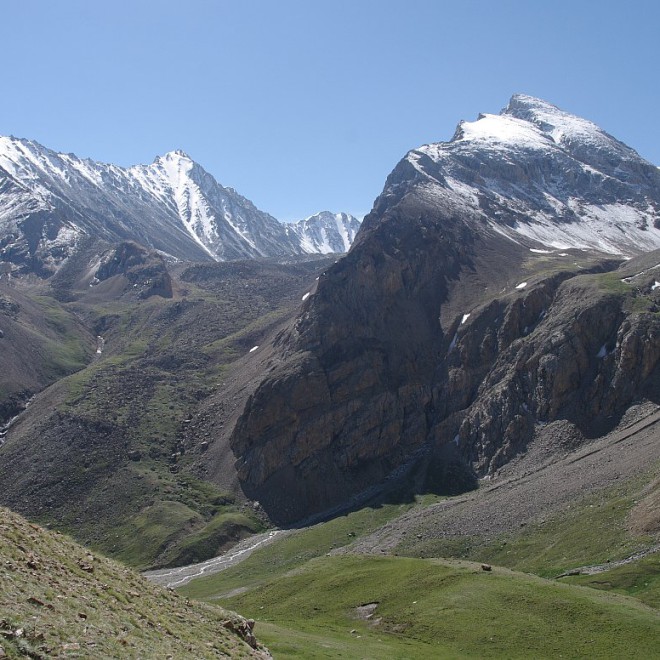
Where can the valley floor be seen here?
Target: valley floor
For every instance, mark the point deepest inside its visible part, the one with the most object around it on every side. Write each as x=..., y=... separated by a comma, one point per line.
x=177, y=577
x=371, y=583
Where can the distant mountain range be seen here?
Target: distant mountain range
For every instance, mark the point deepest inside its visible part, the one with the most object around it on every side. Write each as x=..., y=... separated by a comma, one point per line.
x=51, y=202
x=325, y=232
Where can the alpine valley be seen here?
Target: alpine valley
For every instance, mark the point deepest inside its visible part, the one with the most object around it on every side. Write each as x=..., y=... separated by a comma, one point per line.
x=476, y=380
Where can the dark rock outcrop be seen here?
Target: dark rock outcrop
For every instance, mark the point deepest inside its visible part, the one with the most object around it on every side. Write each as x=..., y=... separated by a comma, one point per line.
x=141, y=267
x=449, y=332
x=369, y=379
x=348, y=404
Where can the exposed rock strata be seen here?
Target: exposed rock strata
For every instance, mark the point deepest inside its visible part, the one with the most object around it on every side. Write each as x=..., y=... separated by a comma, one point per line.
x=453, y=327
x=368, y=376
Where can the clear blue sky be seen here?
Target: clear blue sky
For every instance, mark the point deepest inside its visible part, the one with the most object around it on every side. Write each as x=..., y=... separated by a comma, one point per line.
x=308, y=105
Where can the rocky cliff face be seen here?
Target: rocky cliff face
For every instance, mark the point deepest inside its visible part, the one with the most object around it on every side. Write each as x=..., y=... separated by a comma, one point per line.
x=457, y=324
x=578, y=351
x=143, y=269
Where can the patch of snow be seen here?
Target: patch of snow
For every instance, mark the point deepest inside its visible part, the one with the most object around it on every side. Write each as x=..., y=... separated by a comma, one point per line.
x=341, y=230
x=306, y=296
x=644, y=272
x=465, y=318
x=602, y=352
x=521, y=286
x=452, y=346
x=610, y=228
x=456, y=439
x=253, y=349
x=501, y=230
x=655, y=285
x=503, y=131
x=466, y=191
x=540, y=251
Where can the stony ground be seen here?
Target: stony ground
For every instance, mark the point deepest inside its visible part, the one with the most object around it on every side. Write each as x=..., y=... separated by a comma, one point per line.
x=547, y=478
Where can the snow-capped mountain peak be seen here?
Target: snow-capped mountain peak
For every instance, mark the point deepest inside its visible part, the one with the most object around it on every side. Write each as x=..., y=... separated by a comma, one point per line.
x=326, y=232
x=565, y=129
x=541, y=175
x=49, y=200
x=174, y=154
x=550, y=119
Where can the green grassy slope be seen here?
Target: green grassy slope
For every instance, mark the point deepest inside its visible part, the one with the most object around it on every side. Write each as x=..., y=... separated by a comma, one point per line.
x=293, y=551
x=435, y=608
x=59, y=600
x=640, y=579
x=306, y=598
x=41, y=341
x=591, y=530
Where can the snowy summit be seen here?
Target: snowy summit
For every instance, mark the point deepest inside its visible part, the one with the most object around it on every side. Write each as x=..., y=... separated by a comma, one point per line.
x=50, y=201
x=541, y=175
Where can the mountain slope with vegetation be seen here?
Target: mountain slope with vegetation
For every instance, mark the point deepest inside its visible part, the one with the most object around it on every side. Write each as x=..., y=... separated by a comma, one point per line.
x=217, y=399
x=57, y=599
x=115, y=453
x=555, y=519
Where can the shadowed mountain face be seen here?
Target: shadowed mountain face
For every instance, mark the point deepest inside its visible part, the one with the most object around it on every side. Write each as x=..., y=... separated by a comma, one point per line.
x=464, y=319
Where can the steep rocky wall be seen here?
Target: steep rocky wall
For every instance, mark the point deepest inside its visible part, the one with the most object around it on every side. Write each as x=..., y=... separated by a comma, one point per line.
x=586, y=361
x=347, y=404
x=367, y=377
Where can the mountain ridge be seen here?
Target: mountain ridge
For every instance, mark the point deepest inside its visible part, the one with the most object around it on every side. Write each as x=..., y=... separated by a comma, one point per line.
x=326, y=232
x=438, y=347
x=52, y=200
x=584, y=189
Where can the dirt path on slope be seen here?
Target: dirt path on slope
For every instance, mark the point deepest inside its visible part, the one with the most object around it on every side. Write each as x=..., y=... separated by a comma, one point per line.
x=594, y=569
